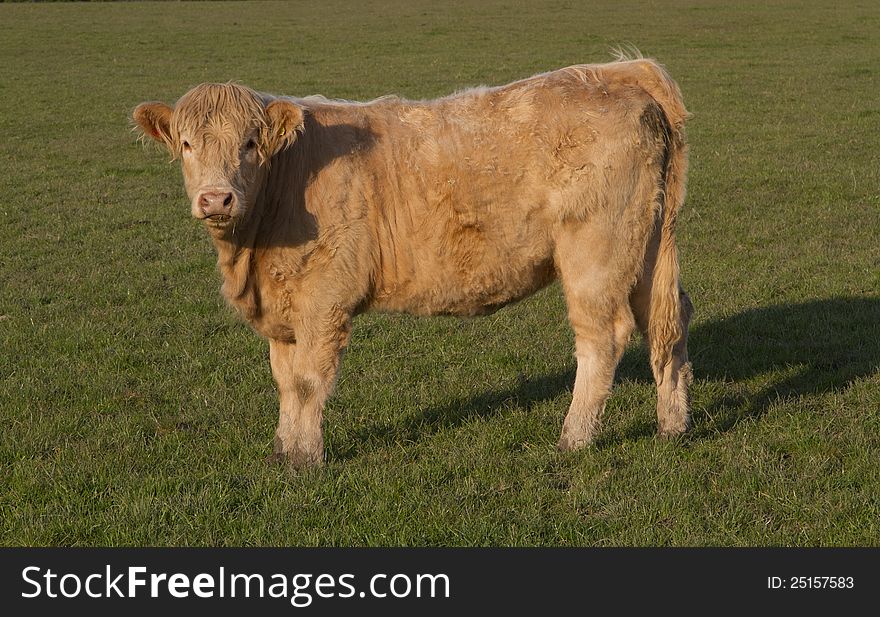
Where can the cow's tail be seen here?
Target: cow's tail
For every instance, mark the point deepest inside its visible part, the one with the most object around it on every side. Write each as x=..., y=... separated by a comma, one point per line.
x=665, y=327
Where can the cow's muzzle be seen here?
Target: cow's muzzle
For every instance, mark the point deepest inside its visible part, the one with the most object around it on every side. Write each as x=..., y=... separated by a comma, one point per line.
x=216, y=206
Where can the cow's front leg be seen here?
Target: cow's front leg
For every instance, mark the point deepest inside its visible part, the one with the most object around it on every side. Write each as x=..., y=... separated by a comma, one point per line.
x=305, y=373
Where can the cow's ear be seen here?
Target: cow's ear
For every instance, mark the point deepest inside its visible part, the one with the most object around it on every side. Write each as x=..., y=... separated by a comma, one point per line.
x=284, y=121
x=154, y=120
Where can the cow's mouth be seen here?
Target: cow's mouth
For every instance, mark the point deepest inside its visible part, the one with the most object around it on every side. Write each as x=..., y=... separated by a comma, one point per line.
x=218, y=218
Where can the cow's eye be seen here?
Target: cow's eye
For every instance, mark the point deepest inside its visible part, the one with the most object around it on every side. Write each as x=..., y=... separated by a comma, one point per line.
x=251, y=144
x=186, y=146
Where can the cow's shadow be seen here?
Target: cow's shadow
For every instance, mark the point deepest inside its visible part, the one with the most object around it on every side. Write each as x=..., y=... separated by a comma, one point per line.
x=790, y=350
x=316, y=147
x=800, y=349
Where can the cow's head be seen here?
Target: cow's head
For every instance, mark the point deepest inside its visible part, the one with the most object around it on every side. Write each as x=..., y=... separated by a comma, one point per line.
x=224, y=136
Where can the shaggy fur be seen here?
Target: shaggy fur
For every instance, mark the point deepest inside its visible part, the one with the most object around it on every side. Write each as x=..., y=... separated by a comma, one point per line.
x=456, y=206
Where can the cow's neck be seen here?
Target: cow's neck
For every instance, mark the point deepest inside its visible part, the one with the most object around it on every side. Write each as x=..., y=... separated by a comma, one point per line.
x=235, y=260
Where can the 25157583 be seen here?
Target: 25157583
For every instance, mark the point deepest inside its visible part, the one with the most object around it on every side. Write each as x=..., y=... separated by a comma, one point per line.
x=810, y=582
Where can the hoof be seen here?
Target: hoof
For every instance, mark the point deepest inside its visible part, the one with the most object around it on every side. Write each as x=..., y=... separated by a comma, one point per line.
x=295, y=461
x=669, y=435
x=276, y=458
x=296, y=457
x=577, y=432
x=568, y=443
x=672, y=432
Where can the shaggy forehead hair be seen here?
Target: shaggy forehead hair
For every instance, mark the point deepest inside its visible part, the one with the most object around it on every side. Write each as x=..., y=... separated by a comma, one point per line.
x=226, y=110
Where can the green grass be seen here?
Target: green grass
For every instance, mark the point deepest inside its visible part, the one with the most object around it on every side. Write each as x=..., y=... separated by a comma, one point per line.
x=136, y=409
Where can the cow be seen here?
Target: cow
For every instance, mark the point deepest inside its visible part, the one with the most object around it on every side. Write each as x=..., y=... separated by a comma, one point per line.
x=322, y=209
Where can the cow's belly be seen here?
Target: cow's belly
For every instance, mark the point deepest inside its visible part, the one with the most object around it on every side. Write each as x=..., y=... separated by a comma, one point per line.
x=473, y=278
x=450, y=297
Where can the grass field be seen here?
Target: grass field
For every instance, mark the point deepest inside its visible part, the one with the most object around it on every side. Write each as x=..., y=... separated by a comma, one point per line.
x=137, y=410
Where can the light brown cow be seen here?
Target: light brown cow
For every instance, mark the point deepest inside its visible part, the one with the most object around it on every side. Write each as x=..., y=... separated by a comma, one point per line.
x=322, y=209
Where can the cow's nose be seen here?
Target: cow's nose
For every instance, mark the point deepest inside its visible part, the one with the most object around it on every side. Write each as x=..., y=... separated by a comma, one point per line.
x=215, y=203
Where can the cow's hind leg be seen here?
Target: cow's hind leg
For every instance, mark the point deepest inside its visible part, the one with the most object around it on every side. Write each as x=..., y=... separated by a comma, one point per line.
x=602, y=321
x=600, y=338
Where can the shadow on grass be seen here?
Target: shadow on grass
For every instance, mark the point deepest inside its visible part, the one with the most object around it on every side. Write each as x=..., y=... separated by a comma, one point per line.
x=422, y=423
x=803, y=349
x=800, y=349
